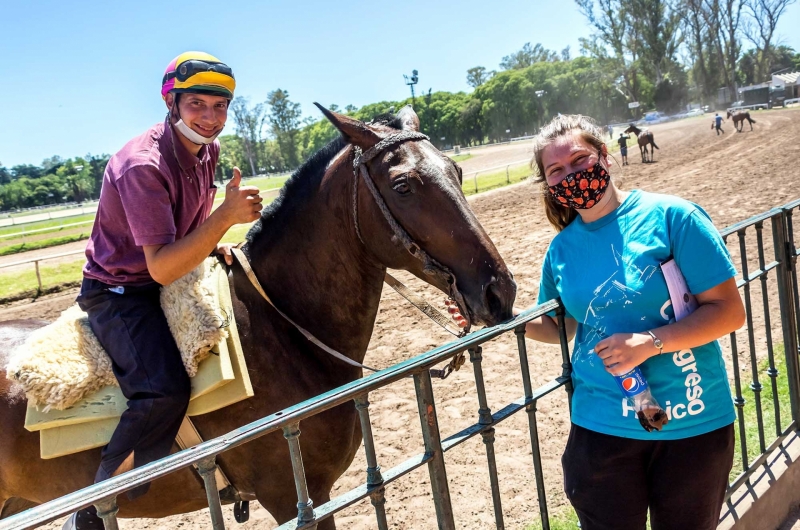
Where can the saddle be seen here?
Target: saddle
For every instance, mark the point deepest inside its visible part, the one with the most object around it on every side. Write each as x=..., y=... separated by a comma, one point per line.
x=73, y=398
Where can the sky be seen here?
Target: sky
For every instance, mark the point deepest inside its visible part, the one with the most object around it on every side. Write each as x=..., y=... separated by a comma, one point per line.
x=84, y=76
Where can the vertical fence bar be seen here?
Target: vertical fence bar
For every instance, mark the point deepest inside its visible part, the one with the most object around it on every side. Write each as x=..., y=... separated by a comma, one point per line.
x=787, y=305
x=772, y=372
x=476, y=182
x=485, y=418
x=537, y=459
x=508, y=178
x=107, y=511
x=374, y=477
x=791, y=256
x=208, y=471
x=305, y=506
x=433, y=447
x=739, y=401
x=530, y=408
x=566, y=363
x=755, y=385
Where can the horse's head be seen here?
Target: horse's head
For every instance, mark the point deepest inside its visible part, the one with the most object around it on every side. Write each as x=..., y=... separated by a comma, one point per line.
x=411, y=214
x=632, y=129
x=728, y=115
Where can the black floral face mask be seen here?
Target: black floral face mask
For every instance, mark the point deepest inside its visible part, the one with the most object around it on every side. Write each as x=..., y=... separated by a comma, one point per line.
x=583, y=189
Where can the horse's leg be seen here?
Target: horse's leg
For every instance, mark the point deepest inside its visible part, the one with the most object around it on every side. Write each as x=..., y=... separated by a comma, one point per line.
x=13, y=506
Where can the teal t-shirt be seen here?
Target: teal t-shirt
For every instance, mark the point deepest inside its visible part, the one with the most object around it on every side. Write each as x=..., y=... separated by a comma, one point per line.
x=608, y=276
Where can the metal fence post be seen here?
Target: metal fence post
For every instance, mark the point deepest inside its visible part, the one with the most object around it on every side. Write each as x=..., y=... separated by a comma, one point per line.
x=485, y=418
x=208, y=469
x=374, y=477
x=476, y=182
x=305, y=506
x=38, y=275
x=508, y=178
x=566, y=363
x=530, y=408
x=107, y=511
x=433, y=447
x=786, y=301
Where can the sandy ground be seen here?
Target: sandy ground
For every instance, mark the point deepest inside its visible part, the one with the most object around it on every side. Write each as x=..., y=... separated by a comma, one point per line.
x=733, y=177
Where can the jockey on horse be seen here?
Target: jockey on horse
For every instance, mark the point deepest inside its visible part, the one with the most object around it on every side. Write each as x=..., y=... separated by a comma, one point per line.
x=154, y=224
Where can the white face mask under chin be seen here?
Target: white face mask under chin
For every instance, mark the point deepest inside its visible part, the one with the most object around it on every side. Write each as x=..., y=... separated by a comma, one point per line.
x=193, y=136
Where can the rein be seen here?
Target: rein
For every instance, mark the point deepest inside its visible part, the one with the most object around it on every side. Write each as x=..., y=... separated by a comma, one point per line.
x=430, y=265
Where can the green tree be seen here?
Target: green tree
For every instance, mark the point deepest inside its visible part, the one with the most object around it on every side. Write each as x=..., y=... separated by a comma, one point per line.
x=477, y=76
x=527, y=56
x=284, y=119
x=249, y=124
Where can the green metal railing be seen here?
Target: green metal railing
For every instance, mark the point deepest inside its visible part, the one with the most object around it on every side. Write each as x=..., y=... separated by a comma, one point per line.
x=777, y=271
x=758, y=267
x=104, y=494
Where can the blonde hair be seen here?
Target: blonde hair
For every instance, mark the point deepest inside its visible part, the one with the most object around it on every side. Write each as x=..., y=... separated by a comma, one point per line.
x=561, y=125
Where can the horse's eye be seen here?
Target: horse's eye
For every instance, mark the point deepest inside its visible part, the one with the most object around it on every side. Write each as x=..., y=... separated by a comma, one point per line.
x=402, y=187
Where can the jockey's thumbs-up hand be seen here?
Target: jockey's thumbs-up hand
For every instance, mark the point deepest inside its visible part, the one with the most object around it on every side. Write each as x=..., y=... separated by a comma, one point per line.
x=242, y=204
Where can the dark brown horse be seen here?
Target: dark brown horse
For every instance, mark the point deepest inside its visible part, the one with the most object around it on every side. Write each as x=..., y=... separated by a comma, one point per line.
x=645, y=138
x=312, y=262
x=738, y=119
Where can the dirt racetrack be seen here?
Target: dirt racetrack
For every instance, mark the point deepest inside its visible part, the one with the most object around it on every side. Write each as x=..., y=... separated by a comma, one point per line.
x=733, y=177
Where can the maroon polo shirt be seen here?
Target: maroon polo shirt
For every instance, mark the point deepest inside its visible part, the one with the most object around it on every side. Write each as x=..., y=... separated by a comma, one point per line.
x=154, y=193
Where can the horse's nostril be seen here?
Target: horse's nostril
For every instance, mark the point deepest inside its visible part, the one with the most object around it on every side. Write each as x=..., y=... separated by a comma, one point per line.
x=494, y=299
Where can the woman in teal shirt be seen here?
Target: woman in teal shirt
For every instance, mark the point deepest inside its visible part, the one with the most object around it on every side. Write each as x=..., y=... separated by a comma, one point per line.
x=604, y=264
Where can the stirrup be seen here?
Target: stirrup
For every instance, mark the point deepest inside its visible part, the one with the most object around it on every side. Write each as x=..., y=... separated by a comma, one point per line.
x=241, y=511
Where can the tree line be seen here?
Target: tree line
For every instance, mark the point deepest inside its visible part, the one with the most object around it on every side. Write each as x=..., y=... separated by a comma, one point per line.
x=55, y=181
x=662, y=54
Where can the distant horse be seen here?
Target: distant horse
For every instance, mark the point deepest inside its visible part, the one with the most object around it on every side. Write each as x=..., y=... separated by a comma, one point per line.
x=738, y=119
x=645, y=138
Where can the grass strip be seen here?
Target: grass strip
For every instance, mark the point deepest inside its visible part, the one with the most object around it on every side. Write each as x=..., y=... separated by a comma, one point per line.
x=564, y=518
x=496, y=179
x=55, y=224
x=44, y=243
x=22, y=284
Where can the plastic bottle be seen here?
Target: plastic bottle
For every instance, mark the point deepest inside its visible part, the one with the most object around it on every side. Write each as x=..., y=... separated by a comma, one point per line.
x=635, y=388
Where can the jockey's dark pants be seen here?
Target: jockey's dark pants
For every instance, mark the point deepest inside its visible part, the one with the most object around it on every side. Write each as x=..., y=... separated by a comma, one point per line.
x=132, y=328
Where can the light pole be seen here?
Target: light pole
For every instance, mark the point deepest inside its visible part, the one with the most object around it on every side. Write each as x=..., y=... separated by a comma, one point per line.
x=540, y=111
x=413, y=80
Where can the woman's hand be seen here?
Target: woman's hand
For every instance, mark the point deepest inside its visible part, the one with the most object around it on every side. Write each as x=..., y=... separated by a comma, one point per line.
x=622, y=352
x=457, y=317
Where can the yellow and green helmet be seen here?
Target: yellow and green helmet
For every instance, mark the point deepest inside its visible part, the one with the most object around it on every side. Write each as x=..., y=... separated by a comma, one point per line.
x=200, y=73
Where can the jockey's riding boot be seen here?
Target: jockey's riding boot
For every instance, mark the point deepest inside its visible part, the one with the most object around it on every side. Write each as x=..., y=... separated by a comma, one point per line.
x=85, y=519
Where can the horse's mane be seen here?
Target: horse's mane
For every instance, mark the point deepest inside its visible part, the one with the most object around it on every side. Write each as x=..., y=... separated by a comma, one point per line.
x=305, y=180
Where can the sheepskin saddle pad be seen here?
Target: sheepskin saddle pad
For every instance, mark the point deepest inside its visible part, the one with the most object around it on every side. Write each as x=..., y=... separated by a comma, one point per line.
x=63, y=362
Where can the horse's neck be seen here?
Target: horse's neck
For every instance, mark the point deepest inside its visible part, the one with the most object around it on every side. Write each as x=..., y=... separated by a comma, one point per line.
x=315, y=269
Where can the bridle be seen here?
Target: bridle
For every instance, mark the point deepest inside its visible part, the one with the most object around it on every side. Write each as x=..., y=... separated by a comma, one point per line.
x=430, y=266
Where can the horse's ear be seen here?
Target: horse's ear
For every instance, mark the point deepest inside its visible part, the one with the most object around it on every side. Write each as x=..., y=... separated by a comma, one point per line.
x=408, y=118
x=356, y=132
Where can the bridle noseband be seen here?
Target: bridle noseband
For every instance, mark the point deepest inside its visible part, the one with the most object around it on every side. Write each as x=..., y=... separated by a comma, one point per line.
x=430, y=266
